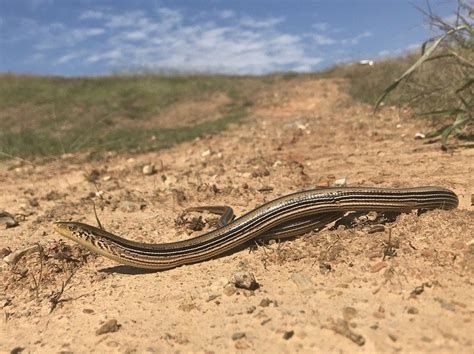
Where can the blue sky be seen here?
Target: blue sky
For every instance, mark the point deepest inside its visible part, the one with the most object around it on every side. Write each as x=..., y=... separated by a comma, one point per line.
x=87, y=37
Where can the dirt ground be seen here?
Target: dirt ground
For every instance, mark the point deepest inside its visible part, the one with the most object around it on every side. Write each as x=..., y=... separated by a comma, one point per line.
x=403, y=287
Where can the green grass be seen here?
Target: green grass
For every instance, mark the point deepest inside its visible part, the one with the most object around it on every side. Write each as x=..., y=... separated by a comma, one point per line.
x=366, y=83
x=47, y=116
x=437, y=82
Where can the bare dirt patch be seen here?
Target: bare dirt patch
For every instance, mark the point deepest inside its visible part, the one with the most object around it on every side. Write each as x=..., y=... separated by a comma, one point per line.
x=406, y=287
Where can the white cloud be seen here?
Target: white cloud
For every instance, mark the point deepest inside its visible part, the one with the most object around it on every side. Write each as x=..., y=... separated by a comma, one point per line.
x=226, y=14
x=321, y=39
x=83, y=33
x=257, y=23
x=384, y=53
x=124, y=20
x=414, y=47
x=91, y=15
x=67, y=58
x=110, y=56
x=167, y=40
x=135, y=35
x=320, y=26
x=355, y=40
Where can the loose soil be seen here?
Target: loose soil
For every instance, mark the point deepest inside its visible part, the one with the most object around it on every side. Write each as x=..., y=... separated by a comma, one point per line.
x=406, y=286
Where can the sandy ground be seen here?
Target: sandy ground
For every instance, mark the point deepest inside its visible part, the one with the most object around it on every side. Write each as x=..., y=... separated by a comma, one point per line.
x=328, y=291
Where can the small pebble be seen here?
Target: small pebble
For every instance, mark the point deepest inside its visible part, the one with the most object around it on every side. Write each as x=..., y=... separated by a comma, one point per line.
x=288, y=334
x=149, y=169
x=302, y=281
x=34, y=202
x=238, y=335
x=108, y=327
x=244, y=280
x=341, y=182
x=412, y=310
x=5, y=252
x=5, y=302
x=378, y=267
x=7, y=220
x=265, y=302
x=372, y=216
x=229, y=289
x=325, y=268
x=418, y=290
x=129, y=206
x=13, y=257
x=348, y=313
x=420, y=136
x=376, y=228
x=446, y=305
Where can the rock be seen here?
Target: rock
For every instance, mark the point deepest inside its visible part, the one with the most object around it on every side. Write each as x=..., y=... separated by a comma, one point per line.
x=52, y=195
x=206, y=153
x=342, y=327
x=288, y=334
x=251, y=309
x=15, y=256
x=378, y=267
x=445, y=304
x=420, y=136
x=302, y=281
x=260, y=172
x=265, y=302
x=34, y=202
x=129, y=206
x=412, y=310
x=5, y=252
x=238, y=335
x=229, y=289
x=4, y=302
x=325, y=268
x=108, y=327
x=7, y=220
x=348, y=313
x=418, y=290
x=244, y=280
x=149, y=169
x=376, y=228
x=341, y=182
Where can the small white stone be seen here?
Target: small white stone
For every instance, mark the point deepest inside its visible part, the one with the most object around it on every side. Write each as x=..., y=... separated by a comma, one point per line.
x=206, y=153
x=420, y=136
x=341, y=182
x=148, y=169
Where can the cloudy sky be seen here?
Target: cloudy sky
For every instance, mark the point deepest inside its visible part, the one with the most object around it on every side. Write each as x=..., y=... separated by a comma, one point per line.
x=93, y=37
